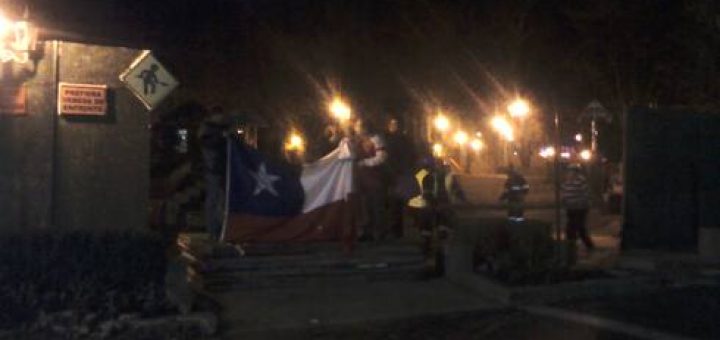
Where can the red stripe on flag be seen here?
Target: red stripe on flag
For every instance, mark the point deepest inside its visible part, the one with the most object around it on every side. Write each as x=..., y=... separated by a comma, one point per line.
x=332, y=222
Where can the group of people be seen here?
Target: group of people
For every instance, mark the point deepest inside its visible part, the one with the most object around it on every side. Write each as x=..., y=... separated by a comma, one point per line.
x=393, y=175
x=396, y=178
x=575, y=198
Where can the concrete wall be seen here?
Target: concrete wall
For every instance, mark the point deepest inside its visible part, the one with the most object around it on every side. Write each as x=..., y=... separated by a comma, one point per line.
x=76, y=172
x=26, y=148
x=672, y=187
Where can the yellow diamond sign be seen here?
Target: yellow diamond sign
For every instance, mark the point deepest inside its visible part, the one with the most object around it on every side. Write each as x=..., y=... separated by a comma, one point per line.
x=148, y=79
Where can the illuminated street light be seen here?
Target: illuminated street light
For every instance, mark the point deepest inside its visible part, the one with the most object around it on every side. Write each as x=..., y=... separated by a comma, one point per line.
x=477, y=144
x=586, y=155
x=579, y=137
x=519, y=108
x=5, y=25
x=547, y=152
x=461, y=138
x=340, y=110
x=295, y=143
x=438, y=150
x=503, y=127
x=16, y=39
x=441, y=123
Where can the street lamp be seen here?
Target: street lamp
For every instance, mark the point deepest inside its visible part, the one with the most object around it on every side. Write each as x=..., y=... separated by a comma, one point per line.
x=441, y=123
x=438, y=150
x=586, y=155
x=519, y=108
x=340, y=110
x=476, y=145
x=579, y=137
x=547, y=152
x=295, y=142
x=461, y=138
x=503, y=127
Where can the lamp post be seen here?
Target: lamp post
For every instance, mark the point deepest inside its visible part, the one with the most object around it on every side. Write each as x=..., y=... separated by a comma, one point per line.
x=519, y=110
x=503, y=127
x=461, y=139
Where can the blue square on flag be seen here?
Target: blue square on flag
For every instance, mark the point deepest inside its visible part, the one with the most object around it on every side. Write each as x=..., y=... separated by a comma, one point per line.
x=270, y=201
x=260, y=186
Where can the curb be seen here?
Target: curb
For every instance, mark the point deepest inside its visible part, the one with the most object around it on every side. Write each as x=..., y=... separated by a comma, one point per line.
x=558, y=292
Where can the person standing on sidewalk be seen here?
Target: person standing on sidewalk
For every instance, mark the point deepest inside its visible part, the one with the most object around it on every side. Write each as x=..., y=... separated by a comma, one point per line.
x=401, y=158
x=371, y=180
x=576, y=199
x=516, y=188
x=213, y=138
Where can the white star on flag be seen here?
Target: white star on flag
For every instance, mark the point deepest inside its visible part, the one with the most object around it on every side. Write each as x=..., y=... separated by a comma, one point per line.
x=264, y=181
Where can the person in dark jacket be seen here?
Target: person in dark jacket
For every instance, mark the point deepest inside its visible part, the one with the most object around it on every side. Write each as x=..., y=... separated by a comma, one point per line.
x=401, y=158
x=371, y=180
x=516, y=188
x=576, y=199
x=213, y=140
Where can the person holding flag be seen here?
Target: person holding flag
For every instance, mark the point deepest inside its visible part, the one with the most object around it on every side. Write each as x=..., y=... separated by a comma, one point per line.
x=213, y=139
x=371, y=180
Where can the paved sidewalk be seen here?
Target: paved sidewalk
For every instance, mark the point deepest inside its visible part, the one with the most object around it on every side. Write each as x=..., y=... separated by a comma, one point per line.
x=334, y=303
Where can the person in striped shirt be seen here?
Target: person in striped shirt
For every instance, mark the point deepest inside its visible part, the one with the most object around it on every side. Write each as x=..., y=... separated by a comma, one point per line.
x=576, y=199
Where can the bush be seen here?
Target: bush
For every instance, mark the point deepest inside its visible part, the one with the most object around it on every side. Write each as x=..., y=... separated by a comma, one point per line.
x=521, y=253
x=104, y=273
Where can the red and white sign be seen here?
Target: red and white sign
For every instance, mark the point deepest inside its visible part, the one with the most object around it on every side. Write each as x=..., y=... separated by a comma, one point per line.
x=13, y=99
x=82, y=99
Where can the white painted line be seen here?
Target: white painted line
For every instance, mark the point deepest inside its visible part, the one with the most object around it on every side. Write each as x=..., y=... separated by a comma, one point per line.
x=611, y=325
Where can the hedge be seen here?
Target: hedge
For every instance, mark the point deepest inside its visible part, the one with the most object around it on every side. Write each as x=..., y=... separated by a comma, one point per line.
x=106, y=273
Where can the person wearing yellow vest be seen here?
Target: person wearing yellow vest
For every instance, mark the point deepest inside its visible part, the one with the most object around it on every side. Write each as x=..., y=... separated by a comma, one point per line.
x=437, y=190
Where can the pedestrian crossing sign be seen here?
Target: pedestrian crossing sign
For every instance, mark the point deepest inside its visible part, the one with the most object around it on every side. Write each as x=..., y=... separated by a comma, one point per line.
x=149, y=80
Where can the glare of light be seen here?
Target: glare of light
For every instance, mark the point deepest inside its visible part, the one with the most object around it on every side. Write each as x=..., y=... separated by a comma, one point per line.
x=5, y=25
x=461, y=138
x=503, y=127
x=295, y=142
x=476, y=144
x=547, y=152
x=15, y=40
x=579, y=137
x=478, y=134
x=586, y=155
x=240, y=131
x=438, y=150
x=565, y=155
x=519, y=108
x=441, y=123
x=340, y=110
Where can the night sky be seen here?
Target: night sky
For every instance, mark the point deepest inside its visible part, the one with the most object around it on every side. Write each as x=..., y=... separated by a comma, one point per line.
x=283, y=57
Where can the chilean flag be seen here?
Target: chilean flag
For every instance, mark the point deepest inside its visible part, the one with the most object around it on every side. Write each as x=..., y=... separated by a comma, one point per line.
x=272, y=202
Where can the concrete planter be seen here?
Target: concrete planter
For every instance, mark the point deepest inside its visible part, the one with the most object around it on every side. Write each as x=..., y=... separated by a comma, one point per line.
x=459, y=270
